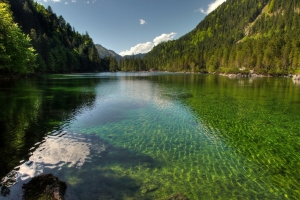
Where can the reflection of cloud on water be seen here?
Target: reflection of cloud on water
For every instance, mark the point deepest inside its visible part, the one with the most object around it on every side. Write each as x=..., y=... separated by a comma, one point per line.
x=57, y=150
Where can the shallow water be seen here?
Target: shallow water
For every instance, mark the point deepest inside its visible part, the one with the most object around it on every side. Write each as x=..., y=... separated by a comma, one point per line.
x=151, y=135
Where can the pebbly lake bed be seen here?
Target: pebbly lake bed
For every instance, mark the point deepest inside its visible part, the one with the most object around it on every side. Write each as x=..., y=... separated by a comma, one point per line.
x=152, y=135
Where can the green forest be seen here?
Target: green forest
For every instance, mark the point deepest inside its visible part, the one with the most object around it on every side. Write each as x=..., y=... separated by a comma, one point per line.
x=33, y=39
x=239, y=36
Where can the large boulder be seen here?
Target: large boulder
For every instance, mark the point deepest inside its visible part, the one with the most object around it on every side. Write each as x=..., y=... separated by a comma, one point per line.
x=45, y=186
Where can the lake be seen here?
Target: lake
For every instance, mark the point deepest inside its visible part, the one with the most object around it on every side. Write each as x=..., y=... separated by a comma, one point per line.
x=153, y=135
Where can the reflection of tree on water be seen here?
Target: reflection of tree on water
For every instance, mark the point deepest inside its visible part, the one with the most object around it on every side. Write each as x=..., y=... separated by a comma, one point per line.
x=30, y=108
x=19, y=110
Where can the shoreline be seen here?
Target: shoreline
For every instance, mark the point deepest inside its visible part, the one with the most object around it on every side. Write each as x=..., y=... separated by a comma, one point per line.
x=295, y=77
x=253, y=75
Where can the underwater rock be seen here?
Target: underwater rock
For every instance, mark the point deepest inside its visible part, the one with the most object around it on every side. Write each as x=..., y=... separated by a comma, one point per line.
x=111, y=136
x=45, y=186
x=177, y=196
x=148, y=187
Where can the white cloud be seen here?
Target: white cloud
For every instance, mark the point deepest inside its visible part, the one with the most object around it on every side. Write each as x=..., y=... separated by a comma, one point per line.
x=66, y=3
x=211, y=7
x=139, y=48
x=74, y=1
x=163, y=38
x=142, y=22
x=146, y=47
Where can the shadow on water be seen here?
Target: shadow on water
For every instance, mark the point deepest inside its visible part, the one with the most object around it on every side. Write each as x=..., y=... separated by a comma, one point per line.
x=108, y=176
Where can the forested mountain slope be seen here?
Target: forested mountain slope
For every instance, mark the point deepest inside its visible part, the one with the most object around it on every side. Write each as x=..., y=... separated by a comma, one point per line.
x=58, y=46
x=259, y=35
x=103, y=52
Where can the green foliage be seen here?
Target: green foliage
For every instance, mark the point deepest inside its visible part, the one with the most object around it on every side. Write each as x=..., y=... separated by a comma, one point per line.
x=16, y=53
x=132, y=63
x=259, y=35
x=113, y=64
x=60, y=48
x=271, y=6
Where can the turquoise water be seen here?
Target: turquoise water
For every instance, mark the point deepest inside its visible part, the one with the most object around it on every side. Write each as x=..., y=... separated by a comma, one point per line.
x=152, y=135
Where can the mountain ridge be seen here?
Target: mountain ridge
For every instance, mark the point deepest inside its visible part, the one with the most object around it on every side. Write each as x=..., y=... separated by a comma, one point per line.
x=104, y=52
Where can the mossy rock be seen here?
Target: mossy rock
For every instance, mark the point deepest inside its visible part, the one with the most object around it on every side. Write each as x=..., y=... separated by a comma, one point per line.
x=44, y=187
x=148, y=187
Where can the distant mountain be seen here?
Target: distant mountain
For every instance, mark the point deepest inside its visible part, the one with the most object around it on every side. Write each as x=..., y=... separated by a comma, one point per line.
x=103, y=52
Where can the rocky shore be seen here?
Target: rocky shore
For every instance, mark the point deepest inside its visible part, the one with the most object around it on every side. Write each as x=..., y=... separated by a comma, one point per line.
x=243, y=75
x=296, y=77
x=252, y=74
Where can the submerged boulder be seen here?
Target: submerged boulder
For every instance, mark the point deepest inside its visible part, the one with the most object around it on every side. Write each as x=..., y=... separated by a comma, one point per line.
x=45, y=186
x=148, y=187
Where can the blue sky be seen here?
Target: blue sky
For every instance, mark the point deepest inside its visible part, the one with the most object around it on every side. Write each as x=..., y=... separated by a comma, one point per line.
x=132, y=26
